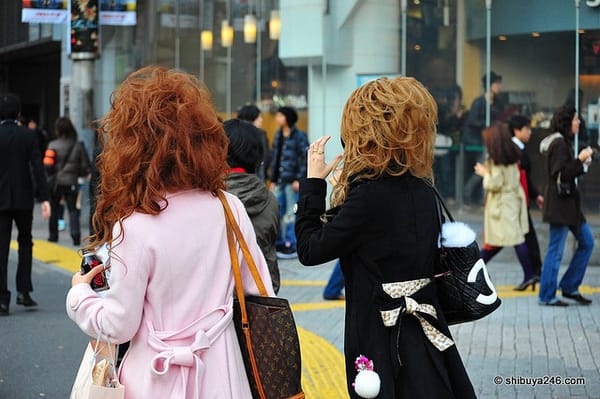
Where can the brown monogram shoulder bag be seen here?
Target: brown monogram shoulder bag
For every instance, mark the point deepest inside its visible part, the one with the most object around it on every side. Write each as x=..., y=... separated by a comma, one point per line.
x=265, y=328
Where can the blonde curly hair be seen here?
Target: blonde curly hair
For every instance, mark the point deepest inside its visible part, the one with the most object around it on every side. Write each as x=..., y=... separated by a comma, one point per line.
x=388, y=128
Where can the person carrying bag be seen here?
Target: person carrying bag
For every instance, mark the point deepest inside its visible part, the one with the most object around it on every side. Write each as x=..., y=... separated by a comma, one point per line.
x=72, y=158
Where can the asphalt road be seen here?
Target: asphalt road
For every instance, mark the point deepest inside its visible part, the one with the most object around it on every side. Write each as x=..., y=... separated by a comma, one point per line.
x=40, y=348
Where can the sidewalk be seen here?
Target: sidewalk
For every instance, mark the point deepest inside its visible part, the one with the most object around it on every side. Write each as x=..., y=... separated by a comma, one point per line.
x=520, y=344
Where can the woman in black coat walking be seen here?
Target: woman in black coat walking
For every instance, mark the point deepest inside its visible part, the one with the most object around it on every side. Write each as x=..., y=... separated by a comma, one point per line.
x=384, y=228
x=563, y=210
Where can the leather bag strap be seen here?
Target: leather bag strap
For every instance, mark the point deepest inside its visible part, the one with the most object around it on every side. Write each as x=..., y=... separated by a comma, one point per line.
x=233, y=229
x=64, y=162
x=232, y=224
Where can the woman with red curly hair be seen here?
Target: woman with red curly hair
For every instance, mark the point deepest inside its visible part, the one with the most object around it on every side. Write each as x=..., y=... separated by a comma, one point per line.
x=171, y=283
x=384, y=228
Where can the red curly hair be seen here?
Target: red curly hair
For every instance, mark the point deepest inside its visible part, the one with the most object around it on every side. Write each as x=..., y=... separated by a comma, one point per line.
x=161, y=135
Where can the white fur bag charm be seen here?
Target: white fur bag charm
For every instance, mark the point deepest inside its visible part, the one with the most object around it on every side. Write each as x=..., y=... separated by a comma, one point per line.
x=367, y=383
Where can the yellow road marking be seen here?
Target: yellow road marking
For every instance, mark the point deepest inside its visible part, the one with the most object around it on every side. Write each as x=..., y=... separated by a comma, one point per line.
x=506, y=291
x=303, y=283
x=302, y=307
x=48, y=252
x=323, y=370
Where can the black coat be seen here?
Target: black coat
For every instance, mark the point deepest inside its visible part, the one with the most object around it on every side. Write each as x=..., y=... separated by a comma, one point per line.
x=20, y=159
x=386, y=231
x=558, y=210
x=475, y=122
x=526, y=166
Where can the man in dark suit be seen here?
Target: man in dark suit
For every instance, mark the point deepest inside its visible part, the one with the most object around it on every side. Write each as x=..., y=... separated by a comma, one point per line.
x=519, y=126
x=472, y=134
x=20, y=158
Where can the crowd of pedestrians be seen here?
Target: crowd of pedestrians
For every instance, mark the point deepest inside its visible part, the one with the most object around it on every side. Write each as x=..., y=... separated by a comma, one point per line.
x=158, y=169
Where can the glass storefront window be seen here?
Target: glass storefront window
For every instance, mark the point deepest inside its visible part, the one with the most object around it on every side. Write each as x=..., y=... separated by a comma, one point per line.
x=183, y=24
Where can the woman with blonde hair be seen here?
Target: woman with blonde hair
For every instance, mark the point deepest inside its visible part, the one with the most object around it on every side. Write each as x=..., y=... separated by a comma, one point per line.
x=171, y=284
x=384, y=228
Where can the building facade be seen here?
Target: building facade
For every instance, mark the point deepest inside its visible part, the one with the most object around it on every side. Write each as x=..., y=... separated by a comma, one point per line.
x=311, y=54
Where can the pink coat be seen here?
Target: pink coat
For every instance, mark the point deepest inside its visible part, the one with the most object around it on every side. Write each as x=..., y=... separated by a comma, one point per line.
x=171, y=294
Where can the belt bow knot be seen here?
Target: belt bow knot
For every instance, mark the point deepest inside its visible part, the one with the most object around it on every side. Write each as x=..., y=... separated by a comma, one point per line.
x=181, y=355
x=402, y=290
x=170, y=351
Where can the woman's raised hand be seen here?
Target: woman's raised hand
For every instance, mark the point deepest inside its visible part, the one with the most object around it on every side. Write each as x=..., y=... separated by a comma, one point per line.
x=317, y=167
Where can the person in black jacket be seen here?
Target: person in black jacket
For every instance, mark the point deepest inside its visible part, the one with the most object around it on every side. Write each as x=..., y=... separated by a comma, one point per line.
x=66, y=160
x=563, y=211
x=473, y=128
x=384, y=227
x=252, y=114
x=519, y=126
x=20, y=158
x=288, y=166
x=244, y=155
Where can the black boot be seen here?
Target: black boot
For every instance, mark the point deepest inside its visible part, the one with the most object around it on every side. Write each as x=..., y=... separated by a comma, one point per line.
x=76, y=239
x=23, y=298
x=4, y=303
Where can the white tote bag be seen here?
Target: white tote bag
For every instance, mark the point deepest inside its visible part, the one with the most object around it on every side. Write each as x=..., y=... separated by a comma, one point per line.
x=84, y=388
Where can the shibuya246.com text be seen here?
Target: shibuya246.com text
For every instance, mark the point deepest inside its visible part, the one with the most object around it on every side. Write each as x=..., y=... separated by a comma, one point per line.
x=543, y=380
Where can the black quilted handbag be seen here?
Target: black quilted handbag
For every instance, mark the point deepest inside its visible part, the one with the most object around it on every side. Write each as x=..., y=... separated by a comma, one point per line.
x=265, y=328
x=464, y=288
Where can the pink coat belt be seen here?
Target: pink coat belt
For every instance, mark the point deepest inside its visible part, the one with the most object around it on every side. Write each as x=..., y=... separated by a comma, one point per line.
x=204, y=331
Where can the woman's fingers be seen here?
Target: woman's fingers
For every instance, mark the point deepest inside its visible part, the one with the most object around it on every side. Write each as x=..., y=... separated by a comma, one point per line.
x=318, y=146
x=79, y=278
x=316, y=159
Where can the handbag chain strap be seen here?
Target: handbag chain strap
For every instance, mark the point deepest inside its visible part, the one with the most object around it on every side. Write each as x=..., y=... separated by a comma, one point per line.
x=234, y=229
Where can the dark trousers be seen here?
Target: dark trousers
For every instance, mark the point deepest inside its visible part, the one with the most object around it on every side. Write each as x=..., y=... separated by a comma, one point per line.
x=533, y=247
x=69, y=193
x=23, y=219
x=487, y=252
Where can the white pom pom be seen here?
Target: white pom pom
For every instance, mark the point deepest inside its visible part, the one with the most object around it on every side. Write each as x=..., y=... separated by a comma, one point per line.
x=367, y=384
x=457, y=234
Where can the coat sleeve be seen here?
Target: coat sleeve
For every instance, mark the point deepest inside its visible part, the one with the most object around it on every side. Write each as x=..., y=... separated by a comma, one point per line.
x=474, y=120
x=561, y=160
x=273, y=174
x=494, y=180
x=319, y=242
x=531, y=188
x=119, y=310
